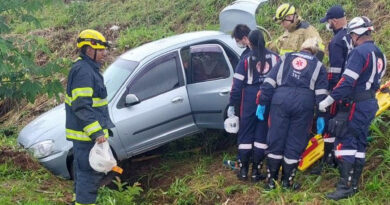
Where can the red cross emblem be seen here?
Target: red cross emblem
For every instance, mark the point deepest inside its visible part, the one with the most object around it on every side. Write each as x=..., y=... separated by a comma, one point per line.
x=299, y=63
x=265, y=69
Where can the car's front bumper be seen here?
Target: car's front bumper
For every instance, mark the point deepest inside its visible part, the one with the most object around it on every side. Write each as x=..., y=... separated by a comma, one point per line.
x=57, y=163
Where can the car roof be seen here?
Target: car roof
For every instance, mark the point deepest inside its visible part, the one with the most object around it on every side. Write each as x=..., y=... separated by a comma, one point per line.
x=160, y=46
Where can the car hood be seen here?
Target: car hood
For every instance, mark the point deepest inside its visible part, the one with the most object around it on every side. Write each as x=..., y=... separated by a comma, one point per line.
x=49, y=125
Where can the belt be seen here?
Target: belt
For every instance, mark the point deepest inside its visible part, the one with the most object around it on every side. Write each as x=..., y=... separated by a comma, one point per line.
x=363, y=95
x=295, y=89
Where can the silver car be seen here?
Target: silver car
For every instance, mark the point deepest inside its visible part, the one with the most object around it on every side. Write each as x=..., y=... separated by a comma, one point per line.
x=158, y=92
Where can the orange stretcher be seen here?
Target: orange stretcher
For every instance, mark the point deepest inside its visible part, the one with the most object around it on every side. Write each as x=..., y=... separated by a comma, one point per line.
x=313, y=152
x=383, y=97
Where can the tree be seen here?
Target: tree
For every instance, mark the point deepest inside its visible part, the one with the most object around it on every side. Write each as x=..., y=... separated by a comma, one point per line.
x=21, y=76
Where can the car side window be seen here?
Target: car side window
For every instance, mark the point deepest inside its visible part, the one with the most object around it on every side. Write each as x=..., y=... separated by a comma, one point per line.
x=207, y=62
x=156, y=79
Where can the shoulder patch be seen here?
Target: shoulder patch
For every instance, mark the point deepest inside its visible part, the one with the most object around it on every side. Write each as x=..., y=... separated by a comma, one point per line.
x=299, y=63
x=379, y=65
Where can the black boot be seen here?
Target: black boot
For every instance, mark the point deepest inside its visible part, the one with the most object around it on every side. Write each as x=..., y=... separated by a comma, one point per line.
x=273, y=166
x=357, y=172
x=243, y=173
x=288, y=171
x=329, y=158
x=317, y=169
x=256, y=172
x=344, y=188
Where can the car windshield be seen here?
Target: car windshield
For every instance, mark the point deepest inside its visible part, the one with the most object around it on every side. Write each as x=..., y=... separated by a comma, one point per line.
x=116, y=74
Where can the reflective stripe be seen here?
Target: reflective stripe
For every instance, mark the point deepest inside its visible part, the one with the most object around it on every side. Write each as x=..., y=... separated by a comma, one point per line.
x=334, y=70
x=348, y=44
x=290, y=161
x=385, y=66
x=68, y=100
x=361, y=155
x=76, y=135
x=273, y=60
x=270, y=81
x=238, y=76
x=329, y=139
x=373, y=72
x=249, y=73
x=279, y=76
x=315, y=75
x=81, y=92
x=322, y=46
x=345, y=152
x=77, y=59
x=80, y=135
x=245, y=146
x=351, y=73
x=260, y=145
x=83, y=204
x=274, y=156
x=321, y=92
x=92, y=128
x=284, y=51
x=98, y=102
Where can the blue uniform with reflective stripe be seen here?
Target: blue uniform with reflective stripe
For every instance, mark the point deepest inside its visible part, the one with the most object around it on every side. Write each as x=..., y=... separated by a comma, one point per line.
x=339, y=48
x=246, y=83
x=86, y=105
x=86, y=119
x=293, y=87
x=365, y=68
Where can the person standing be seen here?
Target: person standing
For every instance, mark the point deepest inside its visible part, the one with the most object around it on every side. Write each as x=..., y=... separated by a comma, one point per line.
x=292, y=90
x=339, y=48
x=240, y=35
x=87, y=118
x=296, y=31
x=249, y=75
x=366, y=65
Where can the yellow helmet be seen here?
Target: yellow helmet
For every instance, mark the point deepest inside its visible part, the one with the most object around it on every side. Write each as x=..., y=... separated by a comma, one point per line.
x=92, y=38
x=283, y=11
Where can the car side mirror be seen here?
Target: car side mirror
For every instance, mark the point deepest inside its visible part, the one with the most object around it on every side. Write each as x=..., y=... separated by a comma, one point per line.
x=131, y=99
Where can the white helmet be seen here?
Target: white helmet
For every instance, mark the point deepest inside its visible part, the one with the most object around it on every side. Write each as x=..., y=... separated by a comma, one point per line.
x=360, y=25
x=232, y=124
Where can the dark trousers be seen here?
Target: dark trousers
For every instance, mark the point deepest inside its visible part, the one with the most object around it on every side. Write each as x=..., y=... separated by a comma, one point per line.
x=290, y=122
x=253, y=132
x=86, y=180
x=352, y=146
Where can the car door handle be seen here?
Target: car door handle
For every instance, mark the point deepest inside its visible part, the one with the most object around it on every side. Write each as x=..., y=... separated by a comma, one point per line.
x=177, y=100
x=224, y=92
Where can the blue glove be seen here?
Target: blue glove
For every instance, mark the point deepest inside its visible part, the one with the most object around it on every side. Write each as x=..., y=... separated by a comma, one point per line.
x=260, y=112
x=320, y=125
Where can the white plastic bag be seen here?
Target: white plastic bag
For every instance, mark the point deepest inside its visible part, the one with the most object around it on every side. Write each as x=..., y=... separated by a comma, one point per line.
x=231, y=124
x=101, y=158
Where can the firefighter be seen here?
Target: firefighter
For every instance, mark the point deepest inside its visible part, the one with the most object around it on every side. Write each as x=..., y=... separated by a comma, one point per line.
x=366, y=65
x=339, y=48
x=249, y=76
x=292, y=89
x=296, y=31
x=87, y=118
x=240, y=35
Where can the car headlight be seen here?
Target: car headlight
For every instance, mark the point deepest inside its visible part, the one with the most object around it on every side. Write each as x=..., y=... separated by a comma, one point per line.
x=42, y=149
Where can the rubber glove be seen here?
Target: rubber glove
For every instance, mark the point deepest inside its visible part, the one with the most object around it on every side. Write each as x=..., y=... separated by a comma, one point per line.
x=230, y=111
x=260, y=112
x=320, y=125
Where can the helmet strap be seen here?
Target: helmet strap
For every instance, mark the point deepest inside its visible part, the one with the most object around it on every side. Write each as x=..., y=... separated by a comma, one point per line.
x=94, y=56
